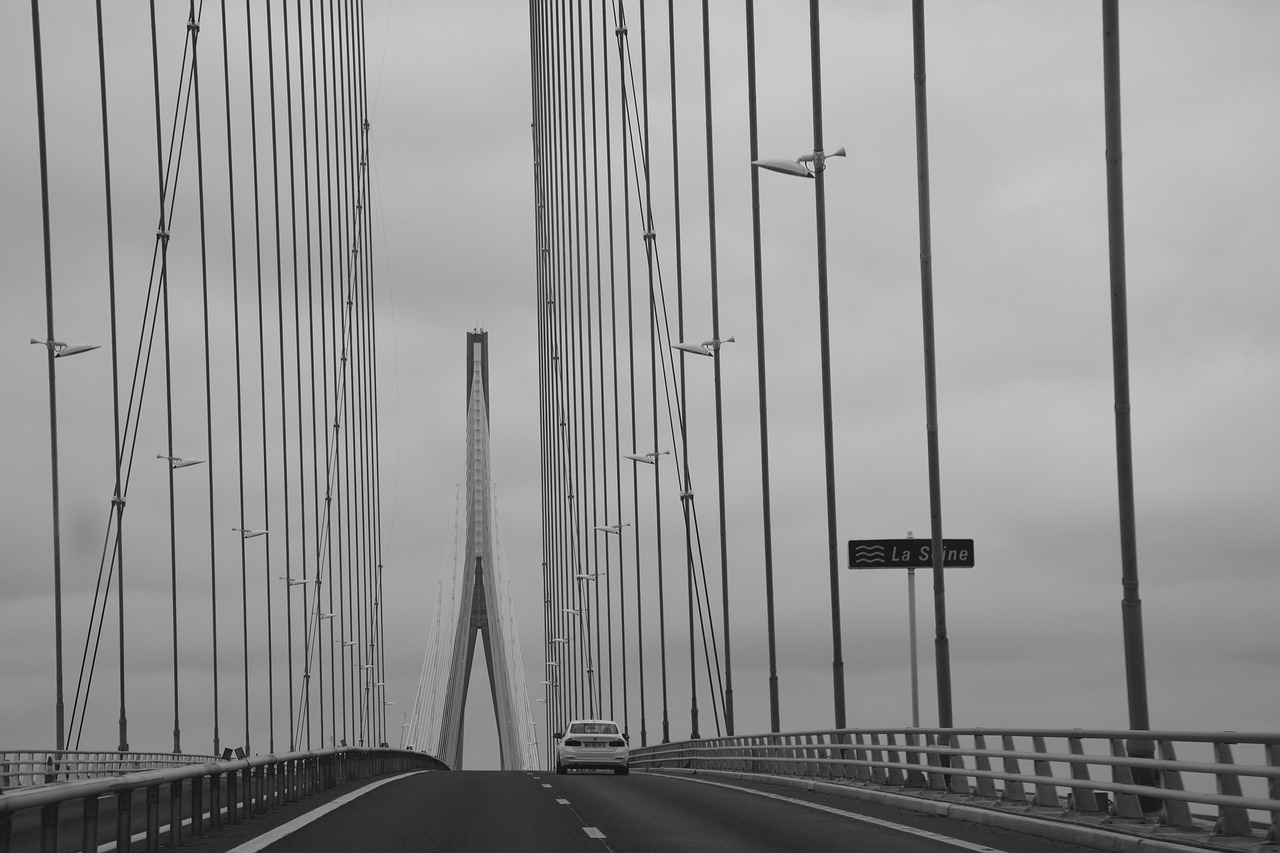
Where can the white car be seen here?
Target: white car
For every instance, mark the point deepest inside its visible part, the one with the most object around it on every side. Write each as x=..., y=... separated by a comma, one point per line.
x=593, y=744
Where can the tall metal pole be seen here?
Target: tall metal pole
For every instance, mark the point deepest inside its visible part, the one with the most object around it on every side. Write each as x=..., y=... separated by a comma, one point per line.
x=820, y=206
x=774, y=715
x=53, y=382
x=715, y=354
x=1131, y=607
x=942, y=647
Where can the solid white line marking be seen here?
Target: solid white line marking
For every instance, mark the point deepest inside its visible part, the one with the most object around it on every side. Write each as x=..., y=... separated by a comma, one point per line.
x=592, y=832
x=268, y=838
x=885, y=824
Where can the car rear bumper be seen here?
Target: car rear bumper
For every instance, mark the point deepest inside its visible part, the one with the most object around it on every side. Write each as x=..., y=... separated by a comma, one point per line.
x=593, y=758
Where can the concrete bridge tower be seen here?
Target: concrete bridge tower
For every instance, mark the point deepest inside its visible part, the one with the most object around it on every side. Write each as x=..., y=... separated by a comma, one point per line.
x=480, y=611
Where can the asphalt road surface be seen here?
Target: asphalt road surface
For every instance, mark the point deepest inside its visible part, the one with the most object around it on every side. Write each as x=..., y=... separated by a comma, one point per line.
x=481, y=811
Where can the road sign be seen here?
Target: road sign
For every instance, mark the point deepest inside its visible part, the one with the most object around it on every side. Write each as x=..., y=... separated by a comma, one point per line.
x=908, y=553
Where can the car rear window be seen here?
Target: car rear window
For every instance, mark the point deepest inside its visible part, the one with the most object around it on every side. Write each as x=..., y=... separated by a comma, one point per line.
x=593, y=729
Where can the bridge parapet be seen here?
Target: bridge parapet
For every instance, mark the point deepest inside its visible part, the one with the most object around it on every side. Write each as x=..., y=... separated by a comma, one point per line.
x=1112, y=779
x=200, y=788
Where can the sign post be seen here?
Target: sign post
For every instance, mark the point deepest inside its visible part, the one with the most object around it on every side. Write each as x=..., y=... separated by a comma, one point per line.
x=915, y=668
x=909, y=553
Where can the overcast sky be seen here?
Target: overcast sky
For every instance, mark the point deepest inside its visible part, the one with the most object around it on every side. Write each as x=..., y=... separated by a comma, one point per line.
x=1024, y=358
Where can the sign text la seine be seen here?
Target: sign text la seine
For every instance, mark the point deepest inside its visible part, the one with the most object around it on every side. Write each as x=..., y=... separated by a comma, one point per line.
x=908, y=553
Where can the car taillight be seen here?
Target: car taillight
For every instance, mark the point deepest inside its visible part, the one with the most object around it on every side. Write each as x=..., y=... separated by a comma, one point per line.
x=573, y=742
x=617, y=743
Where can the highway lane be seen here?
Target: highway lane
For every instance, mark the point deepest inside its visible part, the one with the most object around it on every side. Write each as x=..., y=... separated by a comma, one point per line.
x=600, y=813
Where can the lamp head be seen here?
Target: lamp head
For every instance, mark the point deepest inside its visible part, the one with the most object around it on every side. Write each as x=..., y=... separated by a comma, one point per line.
x=786, y=167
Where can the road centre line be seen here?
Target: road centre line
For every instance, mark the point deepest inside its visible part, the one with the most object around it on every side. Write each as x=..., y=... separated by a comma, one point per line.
x=885, y=824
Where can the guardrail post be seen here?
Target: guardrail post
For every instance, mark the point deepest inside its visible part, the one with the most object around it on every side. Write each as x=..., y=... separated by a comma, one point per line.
x=124, y=821
x=1046, y=792
x=1273, y=790
x=894, y=775
x=175, y=814
x=878, y=774
x=1082, y=799
x=915, y=778
x=255, y=790
x=215, y=802
x=986, y=785
x=1176, y=812
x=1127, y=805
x=89, y=823
x=153, y=819
x=843, y=770
x=233, y=804
x=861, y=771
x=937, y=781
x=956, y=783
x=49, y=828
x=1231, y=819
x=197, y=806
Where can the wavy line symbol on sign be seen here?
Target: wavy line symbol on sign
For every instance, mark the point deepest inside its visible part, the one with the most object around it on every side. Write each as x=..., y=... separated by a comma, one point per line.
x=868, y=554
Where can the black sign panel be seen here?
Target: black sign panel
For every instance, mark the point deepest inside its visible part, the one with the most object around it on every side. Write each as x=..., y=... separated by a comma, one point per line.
x=908, y=553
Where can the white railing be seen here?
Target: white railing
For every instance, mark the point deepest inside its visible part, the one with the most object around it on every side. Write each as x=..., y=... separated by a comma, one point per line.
x=1232, y=778
x=24, y=768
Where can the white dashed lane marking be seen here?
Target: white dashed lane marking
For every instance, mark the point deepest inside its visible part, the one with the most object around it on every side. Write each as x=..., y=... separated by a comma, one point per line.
x=562, y=802
x=592, y=832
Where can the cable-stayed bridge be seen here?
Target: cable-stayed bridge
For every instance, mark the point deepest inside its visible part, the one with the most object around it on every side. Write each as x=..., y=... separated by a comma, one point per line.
x=479, y=607
x=204, y=224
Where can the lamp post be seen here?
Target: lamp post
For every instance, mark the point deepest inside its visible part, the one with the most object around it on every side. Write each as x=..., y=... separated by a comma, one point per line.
x=813, y=166
x=57, y=349
x=1135, y=665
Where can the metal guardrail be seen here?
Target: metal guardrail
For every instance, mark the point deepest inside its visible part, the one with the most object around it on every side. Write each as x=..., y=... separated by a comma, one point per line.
x=219, y=791
x=1098, y=771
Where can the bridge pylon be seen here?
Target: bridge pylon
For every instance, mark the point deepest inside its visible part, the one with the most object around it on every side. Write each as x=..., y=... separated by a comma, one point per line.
x=481, y=612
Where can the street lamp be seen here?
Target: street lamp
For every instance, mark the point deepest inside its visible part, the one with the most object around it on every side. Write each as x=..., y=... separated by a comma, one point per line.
x=613, y=528
x=705, y=348
x=814, y=166
x=56, y=349
x=176, y=462
x=60, y=349
x=800, y=166
x=646, y=458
